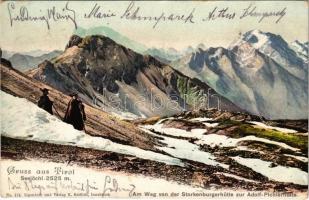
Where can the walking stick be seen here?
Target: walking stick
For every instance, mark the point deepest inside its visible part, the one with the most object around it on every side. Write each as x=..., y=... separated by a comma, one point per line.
x=84, y=123
x=85, y=127
x=57, y=112
x=83, y=115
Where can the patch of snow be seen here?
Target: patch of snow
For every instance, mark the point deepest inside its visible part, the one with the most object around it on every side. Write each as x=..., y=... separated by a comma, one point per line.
x=194, y=133
x=281, y=144
x=198, y=131
x=201, y=119
x=163, y=119
x=217, y=140
x=125, y=115
x=237, y=177
x=224, y=141
x=184, y=149
x=262, y=125
x=301, y=158
x=301, y=49
x=278, y=173
x=244, y=148
x=24, y=120
x=302, y=134
x=211, y=124
x=143, y=128
x=212, y=139
x=141, y=115
x=217, y=53
x=261, y=38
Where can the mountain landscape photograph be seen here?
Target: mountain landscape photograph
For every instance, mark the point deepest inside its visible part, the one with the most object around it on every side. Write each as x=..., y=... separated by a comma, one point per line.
x=126, y=110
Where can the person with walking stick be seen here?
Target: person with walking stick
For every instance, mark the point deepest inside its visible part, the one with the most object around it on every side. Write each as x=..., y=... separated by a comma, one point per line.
x=75, y=113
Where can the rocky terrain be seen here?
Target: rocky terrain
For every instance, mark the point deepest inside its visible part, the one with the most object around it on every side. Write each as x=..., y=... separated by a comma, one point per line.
x=244, y=145
x=119, y=80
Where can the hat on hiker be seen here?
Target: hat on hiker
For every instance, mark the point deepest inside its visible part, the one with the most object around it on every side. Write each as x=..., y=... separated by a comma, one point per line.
x=44, y=90
x=73, y=94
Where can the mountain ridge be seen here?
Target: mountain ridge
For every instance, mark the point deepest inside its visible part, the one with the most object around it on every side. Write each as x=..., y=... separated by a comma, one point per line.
x=96, y=66
x=98, y=123
x=24, y=62
x=254, y=74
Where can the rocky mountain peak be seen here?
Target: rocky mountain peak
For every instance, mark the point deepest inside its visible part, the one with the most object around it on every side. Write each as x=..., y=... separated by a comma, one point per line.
x=74, y=41
x=201, y=46
x=255, y=65
x=275, y=47
x=259, y=38
x=108, y=73
x=90, y=43
x=103, y=61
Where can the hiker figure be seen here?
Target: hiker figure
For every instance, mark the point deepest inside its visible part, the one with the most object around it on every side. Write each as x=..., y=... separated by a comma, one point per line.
x=44, y=102
x=75, y=113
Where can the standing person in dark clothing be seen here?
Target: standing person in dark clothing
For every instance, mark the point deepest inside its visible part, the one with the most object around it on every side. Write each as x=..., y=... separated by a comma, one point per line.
x=44, y=102
x=75, y=113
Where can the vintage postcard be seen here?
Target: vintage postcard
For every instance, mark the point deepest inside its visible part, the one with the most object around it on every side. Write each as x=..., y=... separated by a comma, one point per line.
x=154, y=99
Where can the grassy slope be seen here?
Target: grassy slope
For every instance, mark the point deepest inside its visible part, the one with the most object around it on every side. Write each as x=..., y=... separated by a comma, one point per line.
x=243, y=129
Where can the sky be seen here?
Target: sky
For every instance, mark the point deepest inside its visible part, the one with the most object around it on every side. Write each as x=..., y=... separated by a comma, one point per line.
x=27, y=36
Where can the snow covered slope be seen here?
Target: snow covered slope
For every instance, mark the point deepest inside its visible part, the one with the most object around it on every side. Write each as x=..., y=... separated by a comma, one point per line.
x=177, y=147
x=24, y=120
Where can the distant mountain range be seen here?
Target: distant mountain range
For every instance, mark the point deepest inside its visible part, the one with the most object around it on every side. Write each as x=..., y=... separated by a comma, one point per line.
x=34, y=53
x=259, y=72
x=164, y=55
x=112, y=34
x=28, y=60
x=118, y=79
x=169, y=55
